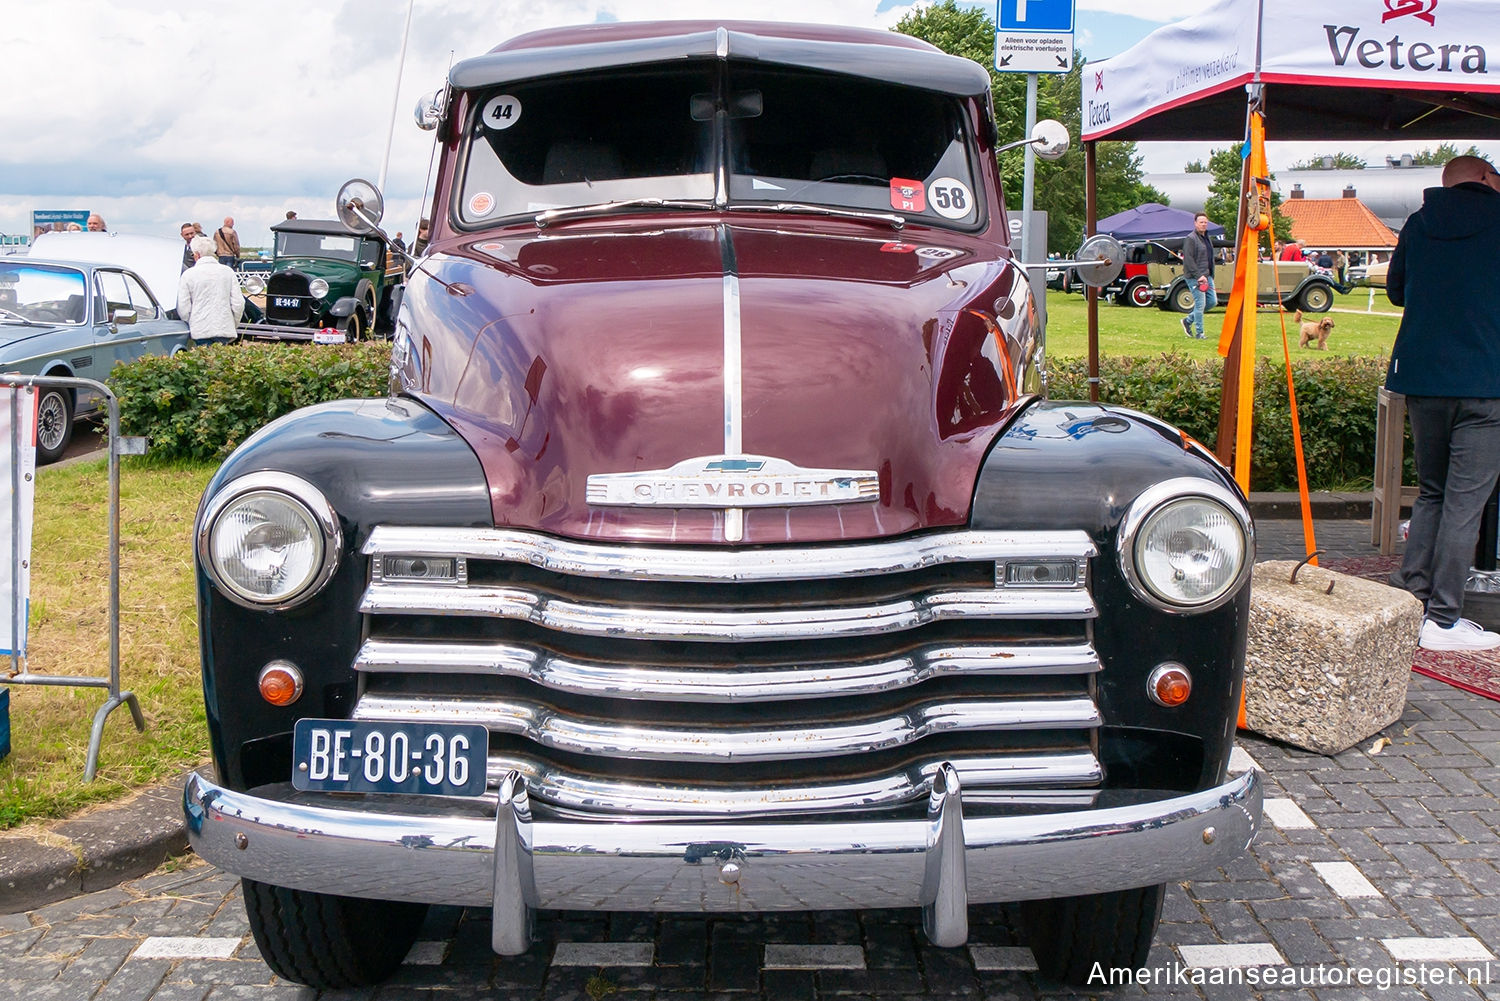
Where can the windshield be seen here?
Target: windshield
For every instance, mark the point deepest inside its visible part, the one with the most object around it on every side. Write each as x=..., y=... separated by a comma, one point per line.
x=42, y=294
x=334, y=247
x=780, y=135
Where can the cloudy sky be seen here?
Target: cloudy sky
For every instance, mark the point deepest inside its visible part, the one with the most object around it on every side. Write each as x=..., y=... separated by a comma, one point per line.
x=153, y=112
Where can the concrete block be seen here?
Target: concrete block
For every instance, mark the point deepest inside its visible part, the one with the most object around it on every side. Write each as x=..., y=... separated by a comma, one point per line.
x=1324, y=670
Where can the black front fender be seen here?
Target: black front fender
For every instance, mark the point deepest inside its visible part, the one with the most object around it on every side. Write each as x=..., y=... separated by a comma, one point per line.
x=1080, y=466
x=388, y=462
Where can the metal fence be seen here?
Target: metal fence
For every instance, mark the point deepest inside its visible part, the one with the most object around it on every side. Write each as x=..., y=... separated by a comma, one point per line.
x=20, y=674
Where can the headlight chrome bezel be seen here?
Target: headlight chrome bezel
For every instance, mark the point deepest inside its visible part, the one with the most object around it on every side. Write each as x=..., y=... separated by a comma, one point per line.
x=1157, y=498
x=299, y=492
x=317, y=288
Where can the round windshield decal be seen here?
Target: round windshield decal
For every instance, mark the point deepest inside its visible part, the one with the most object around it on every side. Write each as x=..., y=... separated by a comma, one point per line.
x=950, y=198
x=937, y=253
x=502, y=112
x=481, y=203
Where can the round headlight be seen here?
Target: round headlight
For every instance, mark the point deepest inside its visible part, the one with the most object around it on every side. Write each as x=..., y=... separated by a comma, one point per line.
x=1185, y=545
x=269, y=540
x=318, y=287
x=255, y=284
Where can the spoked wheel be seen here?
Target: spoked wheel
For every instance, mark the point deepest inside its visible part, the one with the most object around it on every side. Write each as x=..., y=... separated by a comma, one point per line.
x=330, y=942
x=1138, y=293
x=1316, y=299
x=1071, y=936
x=54, y=425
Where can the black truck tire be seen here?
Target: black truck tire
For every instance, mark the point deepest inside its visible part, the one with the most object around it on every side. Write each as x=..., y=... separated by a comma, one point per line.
x=330, y=942
x=1069, y=935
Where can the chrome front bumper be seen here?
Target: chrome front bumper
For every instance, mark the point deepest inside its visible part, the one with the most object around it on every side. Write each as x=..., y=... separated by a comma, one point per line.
x=514, y=864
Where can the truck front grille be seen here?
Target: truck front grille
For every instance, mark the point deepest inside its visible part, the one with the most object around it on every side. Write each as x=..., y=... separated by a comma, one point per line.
x=288, y=299
x=654, y=681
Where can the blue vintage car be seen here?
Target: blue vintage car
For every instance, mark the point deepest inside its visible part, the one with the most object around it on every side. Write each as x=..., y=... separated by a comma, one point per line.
x=77, y=318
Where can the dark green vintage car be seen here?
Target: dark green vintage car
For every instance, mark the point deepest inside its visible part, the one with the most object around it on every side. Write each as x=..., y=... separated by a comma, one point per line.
x=326, y=275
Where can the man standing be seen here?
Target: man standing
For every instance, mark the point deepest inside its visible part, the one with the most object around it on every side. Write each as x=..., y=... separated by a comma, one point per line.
x=1446, y=360
x=1198, y=269
x=96, y=223
x=209, y=297
x=187, y=234
x=227, y=244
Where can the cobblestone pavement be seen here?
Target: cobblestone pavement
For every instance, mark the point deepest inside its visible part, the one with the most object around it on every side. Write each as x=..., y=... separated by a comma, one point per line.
x=1376, y=875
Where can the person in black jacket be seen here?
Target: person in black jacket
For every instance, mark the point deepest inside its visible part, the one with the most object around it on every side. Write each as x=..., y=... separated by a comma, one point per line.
x=1198, y=269
x=1446, y=360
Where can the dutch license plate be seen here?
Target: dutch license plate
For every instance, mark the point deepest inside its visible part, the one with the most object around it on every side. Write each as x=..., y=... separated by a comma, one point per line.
x=286, y=302
x=435, y=759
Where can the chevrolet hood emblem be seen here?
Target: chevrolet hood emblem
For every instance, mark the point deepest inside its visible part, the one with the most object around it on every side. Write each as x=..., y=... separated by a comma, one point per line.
x=733, y=481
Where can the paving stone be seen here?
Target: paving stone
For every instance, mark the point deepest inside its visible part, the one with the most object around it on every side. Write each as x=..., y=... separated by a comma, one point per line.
x=137, y=980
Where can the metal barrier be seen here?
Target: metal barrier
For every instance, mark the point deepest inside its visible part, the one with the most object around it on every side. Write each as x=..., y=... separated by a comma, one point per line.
x=19, y=673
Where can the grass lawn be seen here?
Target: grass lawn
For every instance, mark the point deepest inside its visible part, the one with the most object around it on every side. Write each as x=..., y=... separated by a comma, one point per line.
x=43, y=775
x=1128, y=330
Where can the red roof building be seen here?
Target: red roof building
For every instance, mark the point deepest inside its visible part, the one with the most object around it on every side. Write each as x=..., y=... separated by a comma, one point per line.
x=1336, y=223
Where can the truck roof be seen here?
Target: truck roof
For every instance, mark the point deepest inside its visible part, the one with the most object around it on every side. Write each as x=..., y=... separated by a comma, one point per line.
x=865, y=52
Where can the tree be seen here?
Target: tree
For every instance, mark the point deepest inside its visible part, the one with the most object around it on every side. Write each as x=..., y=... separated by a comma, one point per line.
x=1331, y=161
x=1059, y=188
x=1439, y=157
x=1196, y=167
x=1223, y=202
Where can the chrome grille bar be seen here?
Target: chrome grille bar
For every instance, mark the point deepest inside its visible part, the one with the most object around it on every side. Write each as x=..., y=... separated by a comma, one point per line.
x=711, y=625
x=804, y=679
x=710, y=565
x=643, y=739
x=1040, y=777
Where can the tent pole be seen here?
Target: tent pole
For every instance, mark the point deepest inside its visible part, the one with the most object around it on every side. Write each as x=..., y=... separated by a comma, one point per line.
x=1090, y=223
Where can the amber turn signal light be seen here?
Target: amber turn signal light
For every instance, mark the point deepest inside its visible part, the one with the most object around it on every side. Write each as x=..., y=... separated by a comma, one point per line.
x=280, y=683
x=1169, y=685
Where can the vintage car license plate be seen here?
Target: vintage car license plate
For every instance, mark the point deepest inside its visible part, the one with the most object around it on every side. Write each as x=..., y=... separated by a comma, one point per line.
x=286, y=302
x=342, y=755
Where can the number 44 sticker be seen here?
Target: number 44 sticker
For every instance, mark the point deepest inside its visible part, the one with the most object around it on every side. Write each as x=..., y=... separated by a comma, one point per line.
x=950, y=198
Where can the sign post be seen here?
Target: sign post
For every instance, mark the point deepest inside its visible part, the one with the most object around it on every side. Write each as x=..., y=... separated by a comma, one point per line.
x=1032, y=37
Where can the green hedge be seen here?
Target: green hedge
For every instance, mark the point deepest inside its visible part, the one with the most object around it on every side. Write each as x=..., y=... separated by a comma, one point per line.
x=1335, y=406
x=200, y=404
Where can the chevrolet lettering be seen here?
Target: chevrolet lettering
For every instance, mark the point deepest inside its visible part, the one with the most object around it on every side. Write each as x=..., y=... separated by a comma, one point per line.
x=755, y=481
x=716, y=548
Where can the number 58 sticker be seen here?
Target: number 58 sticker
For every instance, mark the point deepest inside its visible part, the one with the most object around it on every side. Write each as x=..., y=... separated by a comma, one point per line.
x=950, y=198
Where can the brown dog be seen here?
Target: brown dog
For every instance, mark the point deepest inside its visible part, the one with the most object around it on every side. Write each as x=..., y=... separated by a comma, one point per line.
x=1314, y=328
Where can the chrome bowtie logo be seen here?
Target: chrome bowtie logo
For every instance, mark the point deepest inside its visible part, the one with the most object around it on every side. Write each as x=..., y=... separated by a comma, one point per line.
x=1420, y=9
x=733, y=481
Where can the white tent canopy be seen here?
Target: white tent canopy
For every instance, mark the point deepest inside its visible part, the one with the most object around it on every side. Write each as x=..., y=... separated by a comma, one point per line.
x=1358, y=69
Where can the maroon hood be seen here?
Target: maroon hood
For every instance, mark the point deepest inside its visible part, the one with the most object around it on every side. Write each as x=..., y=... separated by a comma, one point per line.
x=591, y=350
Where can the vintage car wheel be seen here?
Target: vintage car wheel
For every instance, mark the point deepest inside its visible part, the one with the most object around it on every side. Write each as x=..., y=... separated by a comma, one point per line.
x=54, y=425
x=1137, y=293
x=1181, y=298
x=1316, y=298
x=1069, y=935
x=330, y=942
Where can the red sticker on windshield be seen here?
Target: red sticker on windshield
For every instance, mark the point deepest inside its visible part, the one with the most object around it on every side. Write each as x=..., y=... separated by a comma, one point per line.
x=908, y=195
x=897, y=248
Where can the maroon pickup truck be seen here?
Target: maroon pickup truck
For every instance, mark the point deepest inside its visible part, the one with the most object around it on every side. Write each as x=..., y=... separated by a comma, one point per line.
x=716, y=548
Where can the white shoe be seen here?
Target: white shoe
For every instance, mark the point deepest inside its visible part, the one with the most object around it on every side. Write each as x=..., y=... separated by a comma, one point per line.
x=1462, y=635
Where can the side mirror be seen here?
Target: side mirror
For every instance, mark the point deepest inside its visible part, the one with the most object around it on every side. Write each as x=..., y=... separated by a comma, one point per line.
x=122, y=316
x=1099, y=260
x=429, y=111
x=360, y=206
x=1050, y=138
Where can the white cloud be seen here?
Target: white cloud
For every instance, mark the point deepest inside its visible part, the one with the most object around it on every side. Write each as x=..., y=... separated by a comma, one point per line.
x=156, y=111
x=1161, y=11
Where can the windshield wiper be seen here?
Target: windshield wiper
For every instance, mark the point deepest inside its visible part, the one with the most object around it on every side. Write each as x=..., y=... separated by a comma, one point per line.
x=11, y=314
x=889, y=218
x=550, y=216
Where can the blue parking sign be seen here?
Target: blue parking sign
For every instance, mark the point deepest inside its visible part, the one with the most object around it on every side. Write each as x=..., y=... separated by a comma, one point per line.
x=1035, y=15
